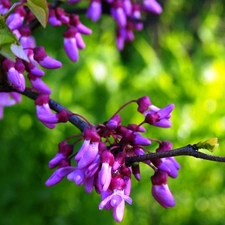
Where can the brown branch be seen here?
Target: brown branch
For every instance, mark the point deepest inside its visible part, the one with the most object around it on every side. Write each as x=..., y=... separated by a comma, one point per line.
x=75, y=120
x=189, y=150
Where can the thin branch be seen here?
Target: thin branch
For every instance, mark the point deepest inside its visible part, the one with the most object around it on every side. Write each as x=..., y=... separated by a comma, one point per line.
x=75, y=120
x=189, y=150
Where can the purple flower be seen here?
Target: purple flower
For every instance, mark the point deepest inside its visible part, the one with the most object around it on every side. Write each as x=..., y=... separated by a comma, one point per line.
x=39, y=85
x=34, y=70
x=115, y=198
x=105, y=174
x=61, y=15
x=119, y=14
x=94, y=11
x=26, y=40
x=79, y=176
x=44, y=60
x=169, y=164
x=64, y=150
x=114, y=122
x=152, y=6
x=136, y=14
x=44, y=113
x=143, y=104
x=81, y=28
x=15, y=20
x=4, y=6
x=52, y=19
x=136, y=172
x=86, y=154
x=127, y=5
x=138, y=139
x=161, y=191
x=70, y=44
x=15, y=73
x=159, y=117
x=80, y=41
x=58, y=175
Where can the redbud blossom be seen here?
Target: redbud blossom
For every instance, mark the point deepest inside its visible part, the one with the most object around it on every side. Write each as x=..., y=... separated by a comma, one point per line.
x=15, y=73
x=105, y=174
x=159, y=117
x=118, y=13
x=152, y=6
x=143, y=104
x=15, y=20
x=58, y=175
x=44, y=60
x=94, y=11
x=70, y=44
x=39, y=85
x=161, y=191
x=116, y=198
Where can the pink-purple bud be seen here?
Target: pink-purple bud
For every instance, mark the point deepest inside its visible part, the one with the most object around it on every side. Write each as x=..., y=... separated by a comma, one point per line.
x=32, y=69
x=38, y=85
x=114, y=122
x=63, y=115
x=135, y=127
x=91, y=134
x=143, y=104
x=70, y=44
x=58, y=175
x=161, y=191
x=136, y=171
x=118, y=183
x=15, y=73
x=118, y=13
x=52, y=19
x=152, y=6
x=94, y=11
x=140, y=140
x=41, y=99
x=107, y=157
x=44, y=60
x=119, y=160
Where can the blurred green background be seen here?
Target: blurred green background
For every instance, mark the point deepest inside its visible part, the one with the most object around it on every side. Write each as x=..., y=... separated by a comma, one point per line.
x=178, y=58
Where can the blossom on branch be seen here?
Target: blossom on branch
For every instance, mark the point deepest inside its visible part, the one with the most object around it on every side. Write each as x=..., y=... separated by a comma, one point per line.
x=100, y=162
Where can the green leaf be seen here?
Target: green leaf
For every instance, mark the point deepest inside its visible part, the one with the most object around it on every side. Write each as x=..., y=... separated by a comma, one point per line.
x=210, y=144
x=6, y=51
x=6, y=35
x=40, y=10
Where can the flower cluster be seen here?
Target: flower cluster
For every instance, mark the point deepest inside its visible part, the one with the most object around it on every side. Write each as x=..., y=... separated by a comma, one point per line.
x=32, y=67
x=126, y=14
x=100, y=162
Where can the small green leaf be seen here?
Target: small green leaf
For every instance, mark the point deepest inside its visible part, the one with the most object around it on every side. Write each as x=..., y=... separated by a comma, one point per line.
x=6, y=35
x=6, y=51
x=210, y=144
x=39, y=9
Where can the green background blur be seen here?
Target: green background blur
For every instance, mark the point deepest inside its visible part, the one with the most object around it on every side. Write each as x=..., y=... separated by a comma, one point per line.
x=179, y=58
